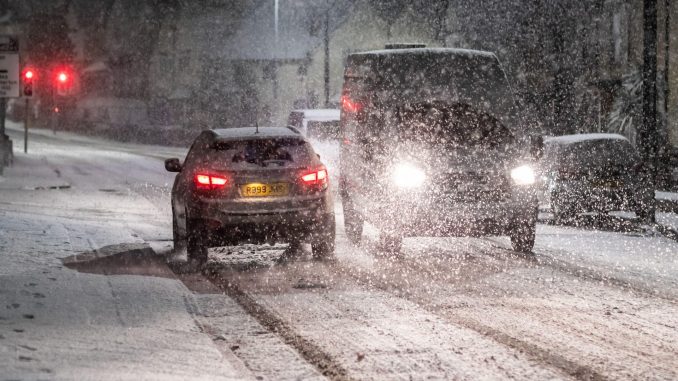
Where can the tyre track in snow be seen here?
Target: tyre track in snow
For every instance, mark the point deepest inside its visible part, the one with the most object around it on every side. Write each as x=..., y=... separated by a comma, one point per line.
x=370, y=334
x=312, y=353
x=572, y=368
x=422, y=280
x=487, y=259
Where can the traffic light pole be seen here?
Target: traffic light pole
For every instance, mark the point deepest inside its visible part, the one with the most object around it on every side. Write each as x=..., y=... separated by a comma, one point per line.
x=53, y=119
x=26, y=116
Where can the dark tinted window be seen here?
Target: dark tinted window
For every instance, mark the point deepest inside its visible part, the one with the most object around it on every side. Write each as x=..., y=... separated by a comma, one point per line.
x=263, y=152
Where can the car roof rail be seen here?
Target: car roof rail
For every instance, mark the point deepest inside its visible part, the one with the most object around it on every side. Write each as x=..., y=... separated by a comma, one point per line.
x=404, y=46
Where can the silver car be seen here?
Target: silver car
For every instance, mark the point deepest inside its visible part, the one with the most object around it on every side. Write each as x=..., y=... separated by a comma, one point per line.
x=595, y=173
x=251, y=185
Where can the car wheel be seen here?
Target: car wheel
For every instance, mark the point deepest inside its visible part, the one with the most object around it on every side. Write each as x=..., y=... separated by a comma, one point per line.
x=322, y=246
x=293, y=250
x=390, y=243
x=322, y=250
x=179, y=242
x=353, y=222
x=523, y=236
x=195, y=242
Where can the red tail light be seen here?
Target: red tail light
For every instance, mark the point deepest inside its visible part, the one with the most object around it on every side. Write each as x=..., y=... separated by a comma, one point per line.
x=349, y=105
x=203, y=181
x=317, y=177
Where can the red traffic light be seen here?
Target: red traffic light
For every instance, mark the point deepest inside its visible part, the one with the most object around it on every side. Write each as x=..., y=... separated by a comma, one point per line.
x=28, y=77
x=64, y=81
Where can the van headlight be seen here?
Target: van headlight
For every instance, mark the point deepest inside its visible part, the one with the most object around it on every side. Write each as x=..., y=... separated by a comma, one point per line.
x=408, y=176
x=523, y=175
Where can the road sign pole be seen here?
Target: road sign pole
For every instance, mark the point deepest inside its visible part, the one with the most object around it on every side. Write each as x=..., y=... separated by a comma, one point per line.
x=26, y=116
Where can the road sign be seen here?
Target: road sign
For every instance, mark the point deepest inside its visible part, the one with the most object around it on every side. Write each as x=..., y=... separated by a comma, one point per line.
x=9, y=67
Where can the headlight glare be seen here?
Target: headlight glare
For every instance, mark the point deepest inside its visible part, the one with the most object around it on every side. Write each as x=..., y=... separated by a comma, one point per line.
x=408, y=176
x=523, y=175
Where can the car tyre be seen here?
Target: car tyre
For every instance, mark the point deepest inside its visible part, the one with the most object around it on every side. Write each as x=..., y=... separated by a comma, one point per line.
x=353, y=222
x=322, y=250
x=179, y=242
x=292, y=252
x=195, y=242
x=523, y=237
x=322, y=246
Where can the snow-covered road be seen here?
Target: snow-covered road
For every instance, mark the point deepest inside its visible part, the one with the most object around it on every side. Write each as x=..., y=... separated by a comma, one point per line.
x=85, y=292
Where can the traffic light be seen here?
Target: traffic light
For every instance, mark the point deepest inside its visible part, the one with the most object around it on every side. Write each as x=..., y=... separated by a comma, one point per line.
x=64, y=82
x=28, y=77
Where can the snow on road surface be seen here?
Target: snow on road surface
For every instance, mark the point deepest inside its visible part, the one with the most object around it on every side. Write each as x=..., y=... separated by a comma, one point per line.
x=588, y=304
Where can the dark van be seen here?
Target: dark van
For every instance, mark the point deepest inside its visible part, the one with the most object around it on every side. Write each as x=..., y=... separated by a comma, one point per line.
x=432, y=146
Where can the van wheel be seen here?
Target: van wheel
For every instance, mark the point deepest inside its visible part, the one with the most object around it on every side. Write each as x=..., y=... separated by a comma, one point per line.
x=195, y=242
x=390, y=243
x=522, y=237
x=353, y=222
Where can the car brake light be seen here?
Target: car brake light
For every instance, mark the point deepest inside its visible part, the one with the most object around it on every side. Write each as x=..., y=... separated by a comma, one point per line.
x=349, y=105
x=209, y=181
x=317, y=177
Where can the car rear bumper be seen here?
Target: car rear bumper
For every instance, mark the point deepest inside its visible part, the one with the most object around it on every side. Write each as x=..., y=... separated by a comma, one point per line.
x=226, y=224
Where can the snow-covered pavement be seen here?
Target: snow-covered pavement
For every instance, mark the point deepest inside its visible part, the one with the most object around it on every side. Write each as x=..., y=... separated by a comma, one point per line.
x=85, y=292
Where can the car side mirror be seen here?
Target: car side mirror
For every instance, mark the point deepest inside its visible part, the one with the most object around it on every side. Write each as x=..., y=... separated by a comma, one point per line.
x=173, y=165
x=536, y=146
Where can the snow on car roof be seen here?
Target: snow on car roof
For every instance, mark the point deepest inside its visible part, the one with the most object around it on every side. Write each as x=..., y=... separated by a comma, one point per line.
x=455, y=51
x=253, y=132
x=320, y=114
x=578, y=138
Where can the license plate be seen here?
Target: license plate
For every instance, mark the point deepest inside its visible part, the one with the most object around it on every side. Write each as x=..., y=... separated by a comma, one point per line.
x=608, y=184
x=264, y=190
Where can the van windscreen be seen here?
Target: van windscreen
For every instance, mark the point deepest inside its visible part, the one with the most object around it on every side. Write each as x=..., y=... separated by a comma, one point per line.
x=467, y=74
x=450, y=125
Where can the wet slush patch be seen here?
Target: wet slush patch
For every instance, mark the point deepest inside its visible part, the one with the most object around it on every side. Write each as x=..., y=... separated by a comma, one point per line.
x=121, y=259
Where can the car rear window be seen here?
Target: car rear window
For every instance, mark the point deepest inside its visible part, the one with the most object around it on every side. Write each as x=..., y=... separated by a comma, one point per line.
x=263, y=152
